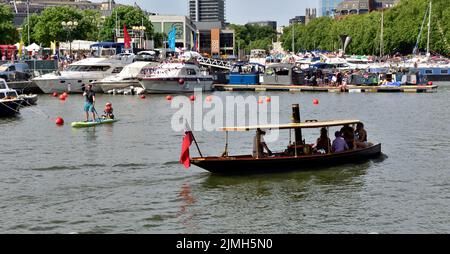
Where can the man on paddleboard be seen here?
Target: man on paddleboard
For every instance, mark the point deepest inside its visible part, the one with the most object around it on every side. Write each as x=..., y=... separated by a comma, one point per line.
x=89, y=102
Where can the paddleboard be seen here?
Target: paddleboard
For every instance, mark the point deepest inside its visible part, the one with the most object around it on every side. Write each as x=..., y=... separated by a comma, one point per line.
x=94, y=123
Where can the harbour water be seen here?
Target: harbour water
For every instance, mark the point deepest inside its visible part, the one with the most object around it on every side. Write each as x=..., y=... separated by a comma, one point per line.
x=126, y=178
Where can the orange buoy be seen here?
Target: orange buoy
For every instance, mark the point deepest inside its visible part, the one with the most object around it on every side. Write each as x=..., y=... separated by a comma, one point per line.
x=209, y=98
x=192, y=98
x=142, y=97
x=65, y=94
x=55, y=94
x=169, y=97
x=62, y=97
x=260, y=101
x=316, y=102
x=181, y=81
x=268, y=99
x=59, y=121
x=430, y=83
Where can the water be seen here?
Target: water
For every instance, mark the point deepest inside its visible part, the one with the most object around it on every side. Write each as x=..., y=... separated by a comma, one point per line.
x=125, y=178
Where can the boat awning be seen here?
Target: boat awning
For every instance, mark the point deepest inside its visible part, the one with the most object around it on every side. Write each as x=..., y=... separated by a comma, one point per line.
x=304, y=125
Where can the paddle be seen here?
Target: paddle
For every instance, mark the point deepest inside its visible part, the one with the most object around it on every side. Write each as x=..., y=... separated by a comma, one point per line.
x=98, y=116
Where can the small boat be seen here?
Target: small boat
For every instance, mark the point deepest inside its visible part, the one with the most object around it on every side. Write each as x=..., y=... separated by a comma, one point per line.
x=298, y=155
x=246, y=74
x=93, y=123
x=183, y=77
x=28, y=99
x=10, y=103
x=284, y=74
x=125, y=79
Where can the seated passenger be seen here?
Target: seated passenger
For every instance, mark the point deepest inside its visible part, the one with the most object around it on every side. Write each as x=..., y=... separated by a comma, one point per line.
x=108, y=111
x=259, y=145
x=349, y=135
x=339, y=144
x=361, y=136
x=323, y=144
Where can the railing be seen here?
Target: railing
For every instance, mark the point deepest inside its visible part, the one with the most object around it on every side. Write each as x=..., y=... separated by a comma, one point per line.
x=222, y=64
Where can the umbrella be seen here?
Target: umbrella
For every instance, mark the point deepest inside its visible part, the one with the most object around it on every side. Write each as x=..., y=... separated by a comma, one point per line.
x=33, y=47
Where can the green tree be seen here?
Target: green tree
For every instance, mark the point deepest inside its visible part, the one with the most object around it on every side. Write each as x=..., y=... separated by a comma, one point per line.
x=33, y=20
x=125, y=15
x=8, y=32
x=250, y=37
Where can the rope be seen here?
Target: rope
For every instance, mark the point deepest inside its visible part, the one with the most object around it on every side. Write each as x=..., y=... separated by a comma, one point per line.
x=17, y=111
x=34, y=111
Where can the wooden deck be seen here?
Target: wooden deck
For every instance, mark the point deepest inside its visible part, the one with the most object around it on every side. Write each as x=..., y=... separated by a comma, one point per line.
x=329, y=89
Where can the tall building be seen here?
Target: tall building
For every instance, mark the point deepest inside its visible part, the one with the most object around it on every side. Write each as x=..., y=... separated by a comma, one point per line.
x=207, y=10
x=310, y=14
x=328, y=7
x=363, y=6
x=270, y=23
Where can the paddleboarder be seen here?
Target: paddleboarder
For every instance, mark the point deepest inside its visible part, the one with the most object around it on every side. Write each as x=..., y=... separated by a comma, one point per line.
x=89, y=102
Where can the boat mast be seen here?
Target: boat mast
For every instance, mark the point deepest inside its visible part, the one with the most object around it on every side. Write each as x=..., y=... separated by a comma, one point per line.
x=429, y=30
x=293, y=39
x=416, y=48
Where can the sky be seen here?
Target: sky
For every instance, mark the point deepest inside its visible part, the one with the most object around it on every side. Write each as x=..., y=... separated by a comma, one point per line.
x=237, y=11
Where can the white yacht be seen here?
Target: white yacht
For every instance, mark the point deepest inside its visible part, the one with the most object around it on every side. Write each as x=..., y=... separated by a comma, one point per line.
x=81, y=73
x=126, y=78
x=175, y=78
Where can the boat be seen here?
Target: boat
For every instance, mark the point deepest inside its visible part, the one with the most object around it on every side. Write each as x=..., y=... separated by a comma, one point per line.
x=258, y=56
x=298, y=156
x=175, y=77
x=284, y=74
x=244, y=73
x=125, y=79
x=28, y=99
x=93, y=123
x=79, y=74
x=10, y=103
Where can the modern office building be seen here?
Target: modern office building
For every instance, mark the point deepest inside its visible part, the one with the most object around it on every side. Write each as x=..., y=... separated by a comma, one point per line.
x=297, y=20
x=328, y=7
x=186, y=30
x=363, y=6
x=270, y=23
x=207, y=10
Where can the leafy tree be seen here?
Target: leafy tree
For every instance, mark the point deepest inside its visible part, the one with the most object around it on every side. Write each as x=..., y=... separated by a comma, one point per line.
x=250, y=37
x=128, y=15
x=8, y=32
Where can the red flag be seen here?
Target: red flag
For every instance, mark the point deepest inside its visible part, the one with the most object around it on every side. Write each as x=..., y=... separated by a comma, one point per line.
x=187, y=141
x=126, y=37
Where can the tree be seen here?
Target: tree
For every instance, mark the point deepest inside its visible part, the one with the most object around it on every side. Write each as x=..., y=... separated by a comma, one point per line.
x=250, y=37
x=8, y=32
x=125, y=15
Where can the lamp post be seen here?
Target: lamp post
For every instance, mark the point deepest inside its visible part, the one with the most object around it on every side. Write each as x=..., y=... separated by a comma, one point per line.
x=139, y=30
x=70, y=26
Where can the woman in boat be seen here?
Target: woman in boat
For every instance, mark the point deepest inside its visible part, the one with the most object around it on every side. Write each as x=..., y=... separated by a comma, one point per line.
x=361, y=136
x=349, y=135
x=323, y=144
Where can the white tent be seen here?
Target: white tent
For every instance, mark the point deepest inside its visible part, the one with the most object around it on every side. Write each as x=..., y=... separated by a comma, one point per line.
x=33, y=47
x=77, y=45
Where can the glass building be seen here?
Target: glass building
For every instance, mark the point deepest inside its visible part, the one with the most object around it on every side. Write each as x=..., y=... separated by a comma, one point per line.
x=207, y=10
x=328, y=7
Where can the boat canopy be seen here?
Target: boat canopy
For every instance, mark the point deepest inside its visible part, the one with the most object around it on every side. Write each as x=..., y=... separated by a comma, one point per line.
x=304, y=125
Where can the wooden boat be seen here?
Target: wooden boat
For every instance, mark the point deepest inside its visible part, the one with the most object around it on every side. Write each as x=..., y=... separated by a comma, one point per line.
x=298, y=156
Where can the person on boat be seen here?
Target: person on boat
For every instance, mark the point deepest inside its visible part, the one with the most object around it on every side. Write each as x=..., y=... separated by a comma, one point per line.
x=361, y=136
x=323, y=144
x=339, y=144
x=259, y=145
x=108, y=111
x=349, y=135
x=89, y=102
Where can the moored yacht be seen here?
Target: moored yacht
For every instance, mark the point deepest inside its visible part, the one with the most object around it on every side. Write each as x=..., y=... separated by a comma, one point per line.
x=81, y=73
x=175, y=78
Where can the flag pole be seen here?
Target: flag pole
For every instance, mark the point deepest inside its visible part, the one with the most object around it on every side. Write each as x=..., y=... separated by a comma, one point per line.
x=193, y=137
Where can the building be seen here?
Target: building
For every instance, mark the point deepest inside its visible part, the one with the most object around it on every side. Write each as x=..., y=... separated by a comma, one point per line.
x=328, y=7
x=21, y=8
x=207, y=10
x=363, y=6
x=186, y=30
x=297, y=20
x=272, y=24
x=215, y=39
x=310, y=14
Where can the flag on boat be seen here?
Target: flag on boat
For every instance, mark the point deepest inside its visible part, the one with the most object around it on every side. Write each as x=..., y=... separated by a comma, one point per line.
x=126, y=37
x=185, y=158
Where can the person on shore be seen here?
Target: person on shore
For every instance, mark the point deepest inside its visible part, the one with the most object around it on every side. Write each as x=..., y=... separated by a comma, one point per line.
x=361, y=136
x=108, y=111
x=323, y=144
x=349, y=135
x=259, y=145
x=89, y=102
x=339, y=144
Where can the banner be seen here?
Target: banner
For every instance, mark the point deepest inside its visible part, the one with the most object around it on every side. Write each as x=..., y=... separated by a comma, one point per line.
x=171, y=39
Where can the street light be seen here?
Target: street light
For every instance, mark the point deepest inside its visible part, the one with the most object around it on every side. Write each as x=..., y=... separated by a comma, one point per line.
x=141, y=31
x=70, y=26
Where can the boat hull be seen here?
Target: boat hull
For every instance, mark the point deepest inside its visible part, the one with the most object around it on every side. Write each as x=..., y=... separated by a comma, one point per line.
x=10, y=107
x=108, y=86
x=172, y=85
x=64, y=85
x=248, y=165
